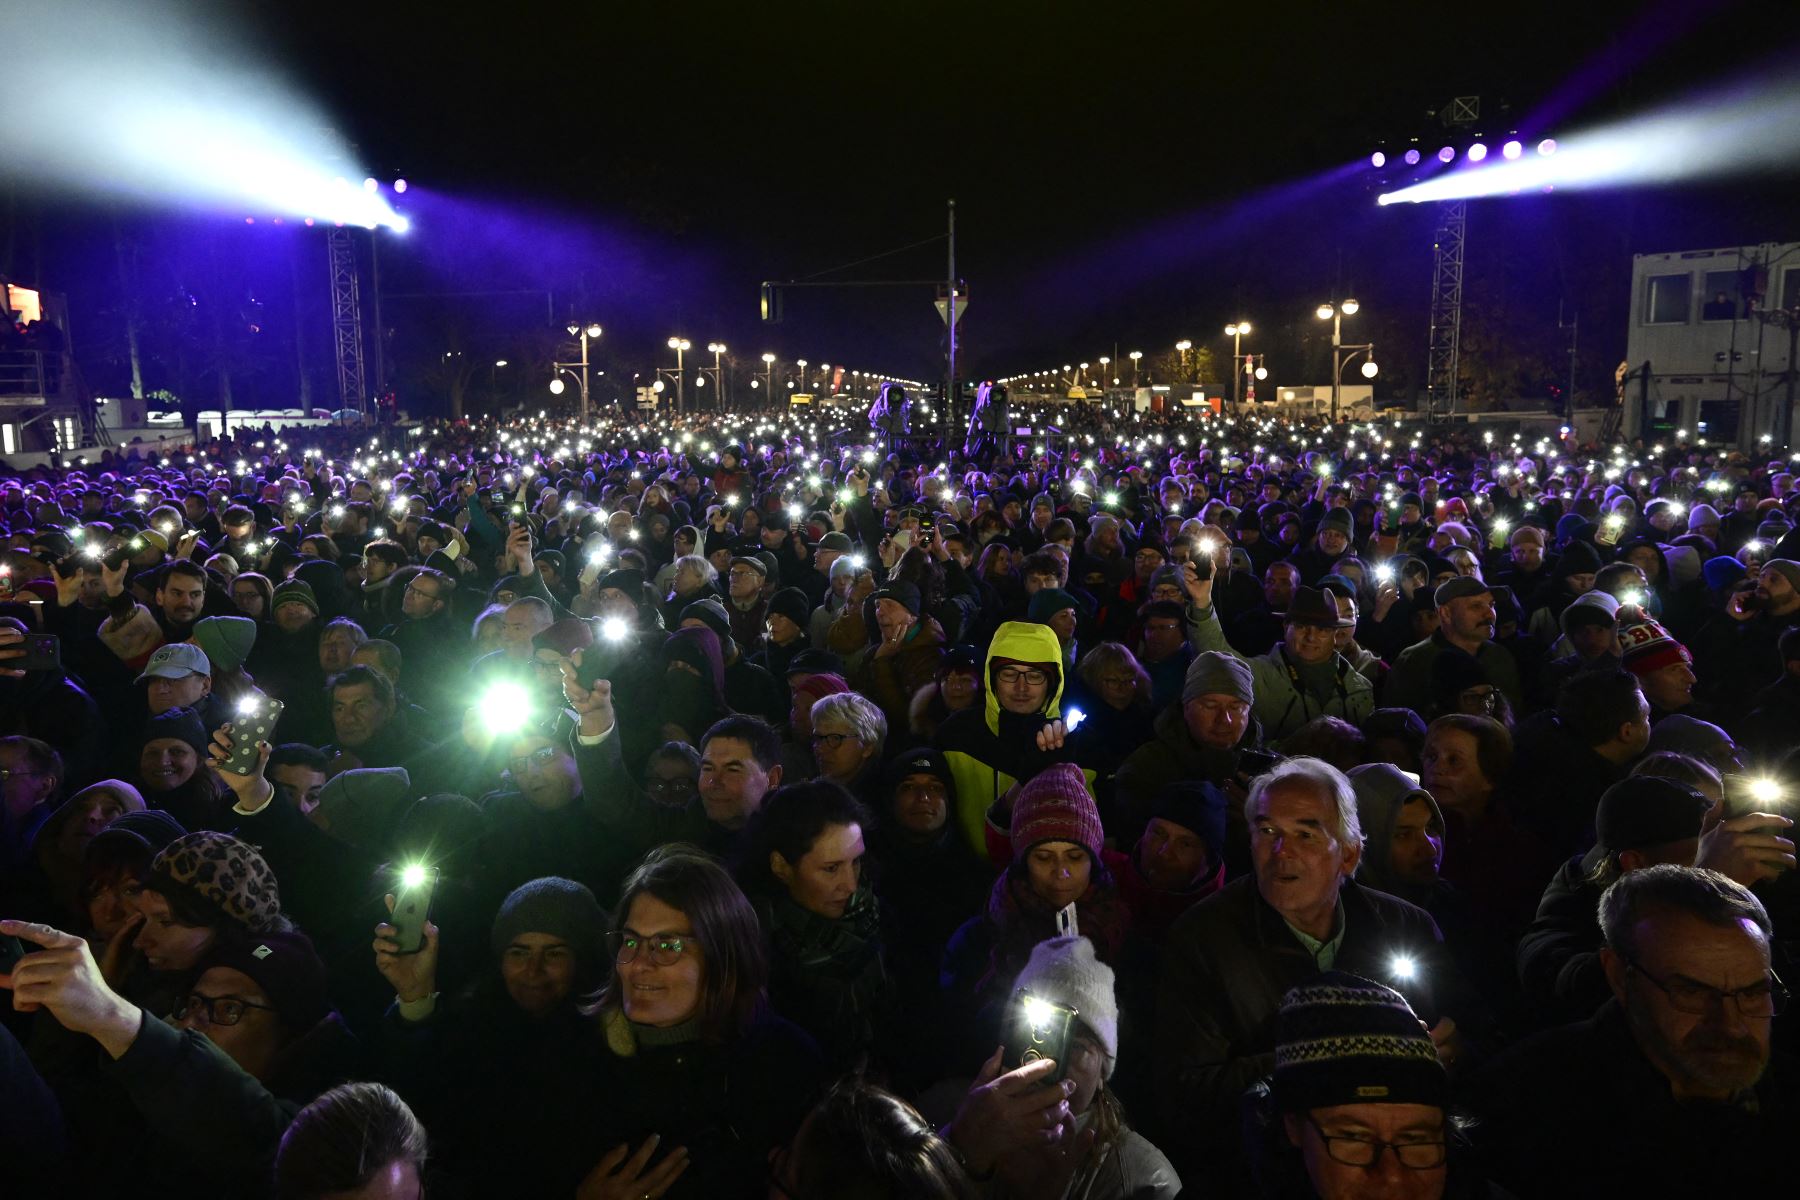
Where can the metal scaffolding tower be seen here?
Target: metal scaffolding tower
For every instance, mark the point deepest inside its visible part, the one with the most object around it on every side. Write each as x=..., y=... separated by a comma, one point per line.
x=1446, y=307
x=346, y=319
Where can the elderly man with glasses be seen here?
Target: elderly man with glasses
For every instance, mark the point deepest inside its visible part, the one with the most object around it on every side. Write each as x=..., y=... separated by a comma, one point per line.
x=1672, y=1088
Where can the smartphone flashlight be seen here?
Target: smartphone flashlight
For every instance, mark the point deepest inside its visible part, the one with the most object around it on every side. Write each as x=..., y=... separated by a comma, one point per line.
x=1501, y=524
x=845, y=495
x=1766, y=791
x=1384, y=574
x=868, y=456
x=1403, y=967
x=858, y=561
x=413, y=876
x=1073, y=719
x=615, y=629
x=505, y=707
x=248, y=706
x=1208, y=546
x=731, y=501
x=1038, y=1012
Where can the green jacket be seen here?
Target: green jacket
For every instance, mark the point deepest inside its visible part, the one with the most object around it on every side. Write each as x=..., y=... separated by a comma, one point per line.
x=1283, y=704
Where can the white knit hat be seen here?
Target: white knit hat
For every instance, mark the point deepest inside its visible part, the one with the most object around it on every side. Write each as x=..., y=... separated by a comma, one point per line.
x=1064, y=971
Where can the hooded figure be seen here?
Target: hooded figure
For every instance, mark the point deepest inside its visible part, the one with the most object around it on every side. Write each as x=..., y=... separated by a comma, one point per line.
x=693, y=683
x=991, y=749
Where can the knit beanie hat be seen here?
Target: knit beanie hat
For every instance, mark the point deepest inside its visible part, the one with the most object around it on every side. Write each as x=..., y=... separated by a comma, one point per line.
x=791, y=602
x=844, y=568
x=1343, y=1039
x=227, y=641
x=226, y=873
x=1578, y=558
x=1644, y=810
x=285, y=966
x=1169, y=574
x=182, y=724
x=1046, y=603
x=1218, y=673
x=1590, y=608
x=1722, y=571
x=1787, y=568
x=296, y=591
x=1700, y=516
x=629, y=580
x=361, y=806
x=565, y=637
x=835, y=540
x=711, y=612
x=1340, y=520
x=1055, y=806
x=1195, y=805
x=1645, y=646
x=148, y=830
x=1064, y=971
x=1703, y=740
x=561, y=908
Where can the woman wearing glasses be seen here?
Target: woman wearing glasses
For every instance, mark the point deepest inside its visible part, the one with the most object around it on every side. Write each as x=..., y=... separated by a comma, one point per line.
x=477, y=1066
x=848, y=736
x=701, y=1080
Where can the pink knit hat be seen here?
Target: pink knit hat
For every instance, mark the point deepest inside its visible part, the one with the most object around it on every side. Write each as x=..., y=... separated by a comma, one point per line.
x=1055, y=806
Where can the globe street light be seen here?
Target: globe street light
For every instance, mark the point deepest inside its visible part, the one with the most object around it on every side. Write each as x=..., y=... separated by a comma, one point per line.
x=1134, y=356
x=680, y=346
x=769, y=373
x=583, y=335
x=1236, y=331
x=717, y=349
x=801, y=363
x=1340, y=352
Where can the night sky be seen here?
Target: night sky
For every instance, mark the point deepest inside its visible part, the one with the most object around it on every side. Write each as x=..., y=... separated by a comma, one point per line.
x=1125, y=174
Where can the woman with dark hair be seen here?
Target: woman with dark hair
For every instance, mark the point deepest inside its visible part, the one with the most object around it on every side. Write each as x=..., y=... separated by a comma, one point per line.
x=864, y=1143
x=170, y=770
x=478, y=1066
x=1057, y=861
x=253, y=594
x=803, y=870
x=693, y=1056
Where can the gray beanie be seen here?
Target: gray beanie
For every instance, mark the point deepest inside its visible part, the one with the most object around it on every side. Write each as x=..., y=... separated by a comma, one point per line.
x=1217, y=673
x=1171, y=574
x=1064, y=971
x=559, y=907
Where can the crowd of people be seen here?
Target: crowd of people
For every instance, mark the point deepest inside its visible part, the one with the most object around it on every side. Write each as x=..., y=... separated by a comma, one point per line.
x=1148, y=806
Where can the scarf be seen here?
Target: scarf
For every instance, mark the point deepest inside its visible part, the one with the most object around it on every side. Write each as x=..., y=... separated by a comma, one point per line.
x=1018, y=919
x=841, y=946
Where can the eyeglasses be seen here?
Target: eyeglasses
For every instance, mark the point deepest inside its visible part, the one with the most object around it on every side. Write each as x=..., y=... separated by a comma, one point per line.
x=416, y=590
x=743, y=573
x=1010, y=676
x=8, y=774
x=1766, y=999
x=664, y=950
x=219, y=1010
x=1487, y=698
x=543, y=756
x=831, y=741
x=1118, y=681
x=666, y=786
x=1356, y=1150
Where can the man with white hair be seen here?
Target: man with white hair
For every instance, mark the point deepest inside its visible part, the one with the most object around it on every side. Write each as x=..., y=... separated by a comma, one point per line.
x=1300, y=912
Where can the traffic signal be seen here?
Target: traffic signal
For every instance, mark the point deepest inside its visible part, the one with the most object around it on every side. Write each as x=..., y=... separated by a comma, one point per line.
x=771, y=304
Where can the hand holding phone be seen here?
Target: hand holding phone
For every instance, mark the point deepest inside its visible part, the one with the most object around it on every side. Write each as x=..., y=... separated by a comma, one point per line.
x=412, y=905
x=253, y=725
x=1038, y=1029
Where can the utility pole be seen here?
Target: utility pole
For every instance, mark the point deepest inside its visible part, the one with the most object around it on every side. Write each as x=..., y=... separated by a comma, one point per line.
x=1573, y=325
x=950, y=390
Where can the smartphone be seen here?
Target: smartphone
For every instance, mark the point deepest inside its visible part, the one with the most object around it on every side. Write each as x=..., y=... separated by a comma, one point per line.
x=412, y=905
x=1202, y=562
x=43, y=652
x=254, y=722
x=1252, y=763
x=116, y=557
x=1035, y=1029
x=11, y=951
x=1746, y=794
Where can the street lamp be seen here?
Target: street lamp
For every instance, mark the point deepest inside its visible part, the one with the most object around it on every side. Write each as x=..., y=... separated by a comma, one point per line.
x=583, y=335
x=717, y=349
x=769, y=375
x=1236, y=331
x=1342, y=352
x=680, y=346
x=801, y=363
x=1134, y=356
